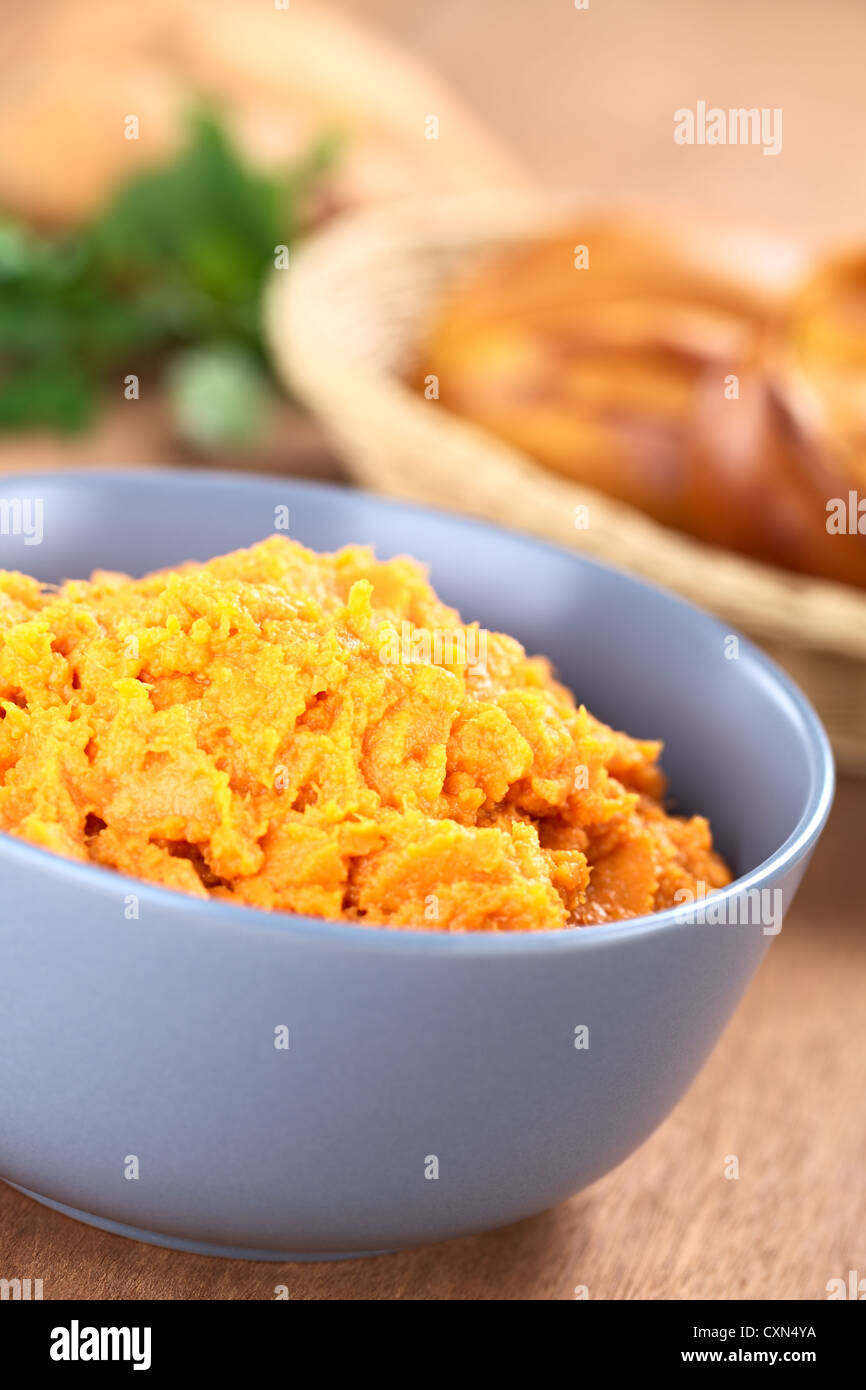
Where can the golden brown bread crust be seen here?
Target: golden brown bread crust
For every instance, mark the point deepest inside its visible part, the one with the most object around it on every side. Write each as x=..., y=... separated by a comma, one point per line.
x=620, y=376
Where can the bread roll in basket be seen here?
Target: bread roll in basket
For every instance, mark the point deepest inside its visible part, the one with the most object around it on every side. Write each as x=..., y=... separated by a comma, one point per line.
x=347, y=327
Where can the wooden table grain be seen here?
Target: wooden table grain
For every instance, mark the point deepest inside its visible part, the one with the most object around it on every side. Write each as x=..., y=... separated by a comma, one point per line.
x=783, y=1092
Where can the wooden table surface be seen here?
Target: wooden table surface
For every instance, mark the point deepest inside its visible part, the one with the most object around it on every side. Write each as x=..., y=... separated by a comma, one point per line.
x=783, y=1092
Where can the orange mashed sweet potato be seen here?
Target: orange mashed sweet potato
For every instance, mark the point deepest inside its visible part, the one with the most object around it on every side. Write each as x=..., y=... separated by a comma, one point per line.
x=317, y=734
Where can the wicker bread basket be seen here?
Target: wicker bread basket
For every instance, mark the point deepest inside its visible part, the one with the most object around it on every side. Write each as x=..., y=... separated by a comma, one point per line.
x=342, y=326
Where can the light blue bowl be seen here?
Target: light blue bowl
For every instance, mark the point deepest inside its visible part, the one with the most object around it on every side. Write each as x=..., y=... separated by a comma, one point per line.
x=154, y=1038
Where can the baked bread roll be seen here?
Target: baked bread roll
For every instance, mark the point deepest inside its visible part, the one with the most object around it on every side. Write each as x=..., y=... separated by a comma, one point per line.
x=632, y=367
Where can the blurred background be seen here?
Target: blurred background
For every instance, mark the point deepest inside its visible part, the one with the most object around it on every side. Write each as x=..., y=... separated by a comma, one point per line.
x=585, y=98
x=460, y=252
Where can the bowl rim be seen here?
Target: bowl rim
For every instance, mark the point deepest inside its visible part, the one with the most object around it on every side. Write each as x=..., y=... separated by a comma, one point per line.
x=415, y=940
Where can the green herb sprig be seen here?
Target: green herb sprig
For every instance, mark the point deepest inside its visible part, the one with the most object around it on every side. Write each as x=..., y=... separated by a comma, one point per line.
x=168, y=278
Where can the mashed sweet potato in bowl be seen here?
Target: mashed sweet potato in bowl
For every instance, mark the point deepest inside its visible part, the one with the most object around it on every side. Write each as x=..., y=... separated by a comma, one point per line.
x=332, y=889
x=320, y=734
